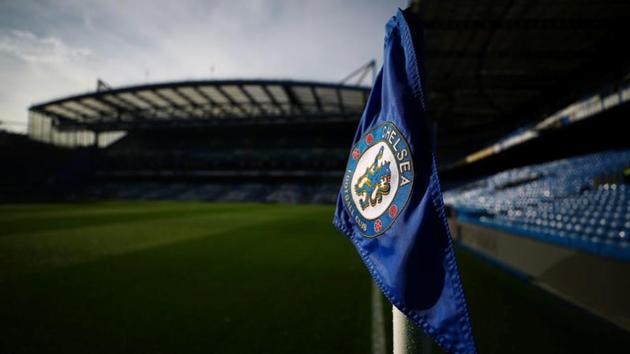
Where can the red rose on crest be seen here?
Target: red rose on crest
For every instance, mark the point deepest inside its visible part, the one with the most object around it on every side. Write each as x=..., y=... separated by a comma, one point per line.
x=393, y=210
x=355, y=154
x=369, y=139
x=378, y=225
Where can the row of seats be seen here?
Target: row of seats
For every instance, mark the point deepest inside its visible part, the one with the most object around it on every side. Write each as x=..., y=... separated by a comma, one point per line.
x=271, y=193
x=581, y=202
x=295, y=159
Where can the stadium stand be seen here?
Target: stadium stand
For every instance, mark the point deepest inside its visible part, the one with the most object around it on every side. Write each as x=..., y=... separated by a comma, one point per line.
x=562, y=225
x=32, y=170
x=270, y=193
x=291, y=164
x=580, y=202
x=236, y=140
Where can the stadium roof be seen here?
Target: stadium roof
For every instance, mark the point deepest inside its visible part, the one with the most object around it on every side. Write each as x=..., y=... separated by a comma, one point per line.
x=494, y=66
x=193, y=103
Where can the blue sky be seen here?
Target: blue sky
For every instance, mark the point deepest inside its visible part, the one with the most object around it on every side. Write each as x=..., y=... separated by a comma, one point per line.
x=49, y=49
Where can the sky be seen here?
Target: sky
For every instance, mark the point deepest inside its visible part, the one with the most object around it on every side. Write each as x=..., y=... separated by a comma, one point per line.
x=51, y=49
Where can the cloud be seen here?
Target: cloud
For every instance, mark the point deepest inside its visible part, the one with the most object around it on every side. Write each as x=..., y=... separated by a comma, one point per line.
x=33, y=49
x=54, y=48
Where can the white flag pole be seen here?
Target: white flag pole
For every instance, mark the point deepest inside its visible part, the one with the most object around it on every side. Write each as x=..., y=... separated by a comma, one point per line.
x=408, y=339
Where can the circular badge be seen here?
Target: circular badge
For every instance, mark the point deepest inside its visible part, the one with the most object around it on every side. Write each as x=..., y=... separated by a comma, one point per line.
x=378, y=179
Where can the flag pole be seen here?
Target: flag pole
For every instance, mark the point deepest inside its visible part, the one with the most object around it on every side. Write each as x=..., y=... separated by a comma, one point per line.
x=408, y=339
x=379, y=344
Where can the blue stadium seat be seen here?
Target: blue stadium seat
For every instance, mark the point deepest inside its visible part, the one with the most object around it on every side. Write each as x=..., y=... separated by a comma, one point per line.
x=567, y=202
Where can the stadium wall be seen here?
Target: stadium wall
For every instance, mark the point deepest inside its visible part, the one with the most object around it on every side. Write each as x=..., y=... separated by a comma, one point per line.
x=597, y=284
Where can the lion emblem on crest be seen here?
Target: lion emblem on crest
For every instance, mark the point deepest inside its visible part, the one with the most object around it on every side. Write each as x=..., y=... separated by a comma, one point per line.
x=375, y=182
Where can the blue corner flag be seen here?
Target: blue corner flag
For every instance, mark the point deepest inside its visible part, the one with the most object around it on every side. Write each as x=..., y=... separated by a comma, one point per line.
x=390, y=204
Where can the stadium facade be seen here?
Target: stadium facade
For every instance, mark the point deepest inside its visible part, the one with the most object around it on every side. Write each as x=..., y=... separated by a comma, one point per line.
x=212, y=140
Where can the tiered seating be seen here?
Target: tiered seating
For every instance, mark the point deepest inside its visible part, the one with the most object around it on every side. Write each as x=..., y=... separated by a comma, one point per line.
x=579, y=202
x=30, y=168
x=285, y=159
x=324, y=193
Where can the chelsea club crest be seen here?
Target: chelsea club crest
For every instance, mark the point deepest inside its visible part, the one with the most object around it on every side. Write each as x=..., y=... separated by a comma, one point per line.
x=378, y=179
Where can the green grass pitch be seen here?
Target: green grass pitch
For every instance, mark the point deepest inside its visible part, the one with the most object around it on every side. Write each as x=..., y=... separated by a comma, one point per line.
x=184, y=277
